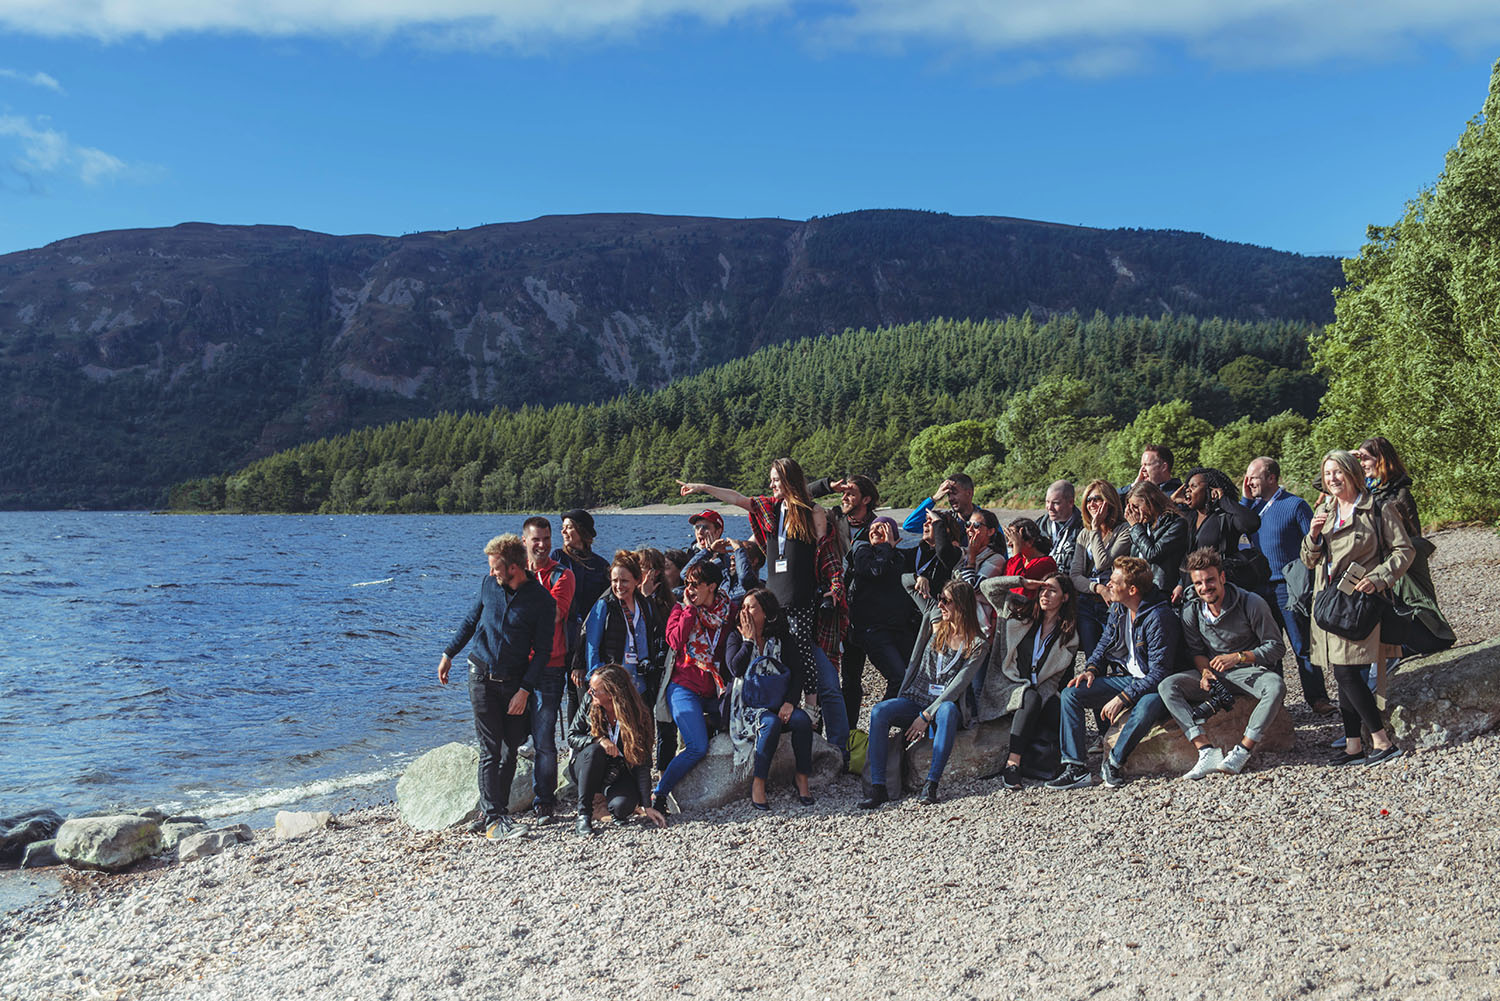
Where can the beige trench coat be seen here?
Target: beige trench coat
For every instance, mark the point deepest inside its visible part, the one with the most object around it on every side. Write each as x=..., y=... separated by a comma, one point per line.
x=1361, y=541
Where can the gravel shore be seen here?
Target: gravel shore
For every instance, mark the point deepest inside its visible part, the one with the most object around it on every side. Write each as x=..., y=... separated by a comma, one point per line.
x=1292, y=880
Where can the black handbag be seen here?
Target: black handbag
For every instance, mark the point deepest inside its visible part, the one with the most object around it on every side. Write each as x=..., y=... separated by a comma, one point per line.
x=1352, y=616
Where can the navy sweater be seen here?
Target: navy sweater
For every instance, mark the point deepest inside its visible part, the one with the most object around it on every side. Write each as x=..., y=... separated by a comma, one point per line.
x=1282, y=529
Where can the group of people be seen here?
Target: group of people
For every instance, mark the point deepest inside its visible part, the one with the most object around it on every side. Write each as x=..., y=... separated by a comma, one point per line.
x=1180, y=594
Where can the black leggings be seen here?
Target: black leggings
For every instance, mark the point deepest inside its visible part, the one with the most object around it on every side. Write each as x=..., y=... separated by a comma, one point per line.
x=1356, y=701
x=1024, y=723
x=590, y=767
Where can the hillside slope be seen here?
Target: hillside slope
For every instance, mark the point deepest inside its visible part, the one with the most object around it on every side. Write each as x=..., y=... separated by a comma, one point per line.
x=130, y=360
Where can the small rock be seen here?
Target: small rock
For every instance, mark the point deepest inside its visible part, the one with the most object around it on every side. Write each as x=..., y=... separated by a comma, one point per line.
x=40, y=853
x=108, y=844
x=174, y=831
x=207, y=843
x=294, y=825
x=24, y=828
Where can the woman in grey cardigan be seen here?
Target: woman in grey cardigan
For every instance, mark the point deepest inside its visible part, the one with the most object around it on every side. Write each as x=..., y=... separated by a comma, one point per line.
x=1041, y=641
x=942, y=665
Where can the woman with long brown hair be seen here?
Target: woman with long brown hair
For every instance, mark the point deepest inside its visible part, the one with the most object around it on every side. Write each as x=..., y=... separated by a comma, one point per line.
x=943, y=664
x=804, y=569
x=611, y=738
x=1105, y=536
x=1158, y=535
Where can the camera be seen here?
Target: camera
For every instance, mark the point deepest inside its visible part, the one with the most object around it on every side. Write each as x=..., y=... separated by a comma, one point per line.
x=1220, y=698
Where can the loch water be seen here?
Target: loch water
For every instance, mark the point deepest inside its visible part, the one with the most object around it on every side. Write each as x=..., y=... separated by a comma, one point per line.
x=232, y=666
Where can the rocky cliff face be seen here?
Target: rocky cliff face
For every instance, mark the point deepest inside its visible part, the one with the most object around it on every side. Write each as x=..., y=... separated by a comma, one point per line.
x=132, y=359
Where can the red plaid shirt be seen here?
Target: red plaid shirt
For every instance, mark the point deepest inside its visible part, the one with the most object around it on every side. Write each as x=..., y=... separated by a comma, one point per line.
x=830, y=575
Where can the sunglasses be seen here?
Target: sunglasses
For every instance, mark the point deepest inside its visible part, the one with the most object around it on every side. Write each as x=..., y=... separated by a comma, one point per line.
x=1096, y=499
x=945, y=600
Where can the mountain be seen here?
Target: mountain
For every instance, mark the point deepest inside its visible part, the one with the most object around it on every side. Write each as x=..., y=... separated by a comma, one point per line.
x=131, y=360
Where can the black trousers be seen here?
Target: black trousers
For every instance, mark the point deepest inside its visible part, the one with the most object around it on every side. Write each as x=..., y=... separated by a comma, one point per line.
x=1356, y=702
x=500, y=734
x=1024, y=723
x=594, y=771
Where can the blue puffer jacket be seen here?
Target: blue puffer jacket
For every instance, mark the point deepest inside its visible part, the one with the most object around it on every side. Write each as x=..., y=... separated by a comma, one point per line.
x=1158, y=643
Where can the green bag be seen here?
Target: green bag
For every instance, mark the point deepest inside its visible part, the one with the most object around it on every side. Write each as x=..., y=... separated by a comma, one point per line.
x=859, y=744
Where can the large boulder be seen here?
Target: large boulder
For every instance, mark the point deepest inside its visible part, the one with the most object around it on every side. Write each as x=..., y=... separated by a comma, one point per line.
x=21, y=830
x=107, y=844
x=713, y=783
x=979, y=750
x=440, y=789
x=1446, y=697
x=1165, y=751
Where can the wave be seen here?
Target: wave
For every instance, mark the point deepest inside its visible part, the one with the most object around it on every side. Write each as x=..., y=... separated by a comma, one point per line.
x=265, y=799
x=367, y=583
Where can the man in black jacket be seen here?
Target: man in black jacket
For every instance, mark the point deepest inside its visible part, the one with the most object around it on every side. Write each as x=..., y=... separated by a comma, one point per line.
x=513, y=621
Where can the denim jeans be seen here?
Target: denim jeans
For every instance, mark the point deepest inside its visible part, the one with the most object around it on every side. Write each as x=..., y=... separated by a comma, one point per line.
x=545, y=702
x=1092, y=611
x=888, y=648
x=1144, y=713
x=902, y=712
x=687, y=714
x=1296, y=627
x=768, y=735
x=500, y=735
x=831, y=701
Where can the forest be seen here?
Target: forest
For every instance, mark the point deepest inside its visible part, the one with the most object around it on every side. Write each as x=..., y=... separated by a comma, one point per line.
x=1014, y=402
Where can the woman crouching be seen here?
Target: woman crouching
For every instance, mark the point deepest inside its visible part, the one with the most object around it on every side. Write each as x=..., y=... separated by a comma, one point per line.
x=943, y=663
x=763, y=700
x=611, y=738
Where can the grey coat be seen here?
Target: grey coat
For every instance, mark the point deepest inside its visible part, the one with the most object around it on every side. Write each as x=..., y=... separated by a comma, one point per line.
x=955, y=682
x=1004, y=686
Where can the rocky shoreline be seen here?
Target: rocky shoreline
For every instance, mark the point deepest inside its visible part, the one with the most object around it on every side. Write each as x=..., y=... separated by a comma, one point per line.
x=1290, y=880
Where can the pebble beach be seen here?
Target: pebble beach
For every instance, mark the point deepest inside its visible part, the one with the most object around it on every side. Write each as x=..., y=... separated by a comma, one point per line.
x=1291, y=880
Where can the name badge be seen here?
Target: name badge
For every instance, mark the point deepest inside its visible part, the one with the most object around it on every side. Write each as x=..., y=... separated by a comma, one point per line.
x=630, y=657
x=935, y=689
x=780, y=566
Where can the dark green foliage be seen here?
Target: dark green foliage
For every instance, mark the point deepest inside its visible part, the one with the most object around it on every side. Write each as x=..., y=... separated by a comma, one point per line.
x=851, y=403
x=1414, y=353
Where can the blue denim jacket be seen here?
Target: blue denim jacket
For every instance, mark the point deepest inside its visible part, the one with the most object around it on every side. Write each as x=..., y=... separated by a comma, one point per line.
x=514, y=630
x=1158, y=642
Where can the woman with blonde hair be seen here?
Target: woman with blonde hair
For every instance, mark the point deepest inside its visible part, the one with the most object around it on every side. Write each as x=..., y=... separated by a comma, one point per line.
x=1105, y=537
x=804, y=569
x=1353, y=546
x=943, y=664
x=611, y=738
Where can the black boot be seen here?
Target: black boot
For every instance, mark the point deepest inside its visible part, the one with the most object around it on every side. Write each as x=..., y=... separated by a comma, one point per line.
x=659, y=804
x=929, y=794
x=877, y=796
x=585, y=826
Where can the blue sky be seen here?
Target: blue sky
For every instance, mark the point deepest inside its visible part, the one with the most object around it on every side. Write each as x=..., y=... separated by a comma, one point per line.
x=1244, y=119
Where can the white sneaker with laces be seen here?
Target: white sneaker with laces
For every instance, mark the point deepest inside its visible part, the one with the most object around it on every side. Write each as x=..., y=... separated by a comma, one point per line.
x=1234, y=761
x=1209, y=760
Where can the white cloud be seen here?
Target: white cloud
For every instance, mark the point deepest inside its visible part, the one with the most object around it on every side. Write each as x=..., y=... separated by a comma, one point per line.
x=456, y=21
x=1087, y=38
x=1105, y=37
x=37, y=79
x=44, y=152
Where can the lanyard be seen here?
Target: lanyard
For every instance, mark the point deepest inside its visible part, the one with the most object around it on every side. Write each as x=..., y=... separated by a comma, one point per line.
x=632, y=629
x=781, y=529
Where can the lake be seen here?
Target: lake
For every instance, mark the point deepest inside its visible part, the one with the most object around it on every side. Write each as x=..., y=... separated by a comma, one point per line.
x=234, y=666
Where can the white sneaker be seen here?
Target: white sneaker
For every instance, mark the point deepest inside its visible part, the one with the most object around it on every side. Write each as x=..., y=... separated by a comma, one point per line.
x=1234, y=761
x=1209, y=760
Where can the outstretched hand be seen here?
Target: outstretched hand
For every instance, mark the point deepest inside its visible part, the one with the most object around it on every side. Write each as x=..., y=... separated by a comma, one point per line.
x=685, y=489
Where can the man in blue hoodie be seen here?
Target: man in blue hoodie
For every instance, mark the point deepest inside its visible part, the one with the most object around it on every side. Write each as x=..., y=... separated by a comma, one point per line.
x=1141, y=639
x=512, y=624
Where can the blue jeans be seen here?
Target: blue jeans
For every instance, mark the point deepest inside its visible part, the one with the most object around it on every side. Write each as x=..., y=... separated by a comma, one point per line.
x=1145, y=712
x=831, y=701
x=768, y=735
x=902, y=712
x=1092, y=611
x=544, y=706
x=687, y=714
x=1296, y=627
